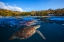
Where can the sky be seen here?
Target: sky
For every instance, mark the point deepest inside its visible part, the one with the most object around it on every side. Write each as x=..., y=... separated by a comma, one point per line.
x=31, y=5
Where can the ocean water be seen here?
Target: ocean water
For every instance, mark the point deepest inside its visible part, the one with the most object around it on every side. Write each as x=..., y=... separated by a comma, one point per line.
x=51, y=27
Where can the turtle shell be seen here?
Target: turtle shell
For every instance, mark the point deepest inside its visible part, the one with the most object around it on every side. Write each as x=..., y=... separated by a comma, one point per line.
x=24, y=33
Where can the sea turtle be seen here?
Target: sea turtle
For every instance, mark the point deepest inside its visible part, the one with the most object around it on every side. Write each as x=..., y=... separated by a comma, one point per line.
x=26, y=32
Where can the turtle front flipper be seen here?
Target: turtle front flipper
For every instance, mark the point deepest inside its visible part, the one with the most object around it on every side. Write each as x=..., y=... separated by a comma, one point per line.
x=40, y=34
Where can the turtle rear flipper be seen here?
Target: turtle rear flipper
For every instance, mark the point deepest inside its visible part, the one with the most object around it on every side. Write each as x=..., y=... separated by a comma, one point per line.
x=40, y=34
x=12, y=37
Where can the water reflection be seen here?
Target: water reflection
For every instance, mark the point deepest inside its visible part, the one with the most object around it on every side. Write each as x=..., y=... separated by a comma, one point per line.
x=29, y=21
x=53, y=20
x=18, y=21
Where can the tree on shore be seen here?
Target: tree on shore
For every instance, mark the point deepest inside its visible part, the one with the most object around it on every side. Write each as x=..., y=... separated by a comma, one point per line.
x=56, y=12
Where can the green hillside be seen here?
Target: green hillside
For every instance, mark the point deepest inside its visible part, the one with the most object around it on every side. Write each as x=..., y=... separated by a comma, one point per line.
x=56, y=12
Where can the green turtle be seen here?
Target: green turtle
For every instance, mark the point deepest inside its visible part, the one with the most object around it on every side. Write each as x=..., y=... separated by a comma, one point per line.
x=26, y=32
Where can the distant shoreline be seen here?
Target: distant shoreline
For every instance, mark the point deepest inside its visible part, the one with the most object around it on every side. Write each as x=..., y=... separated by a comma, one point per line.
x=30, y=16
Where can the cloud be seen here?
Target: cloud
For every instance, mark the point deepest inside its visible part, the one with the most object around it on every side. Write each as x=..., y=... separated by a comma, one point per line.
x=9, y=7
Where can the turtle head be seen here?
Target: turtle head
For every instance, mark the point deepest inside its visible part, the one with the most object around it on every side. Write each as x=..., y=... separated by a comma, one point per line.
x=37, y=26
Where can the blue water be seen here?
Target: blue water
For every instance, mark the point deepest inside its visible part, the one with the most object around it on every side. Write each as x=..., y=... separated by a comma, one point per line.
x=53, y=30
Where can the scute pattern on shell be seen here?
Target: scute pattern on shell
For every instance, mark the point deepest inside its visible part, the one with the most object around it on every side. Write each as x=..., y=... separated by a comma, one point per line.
x=24, y=33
